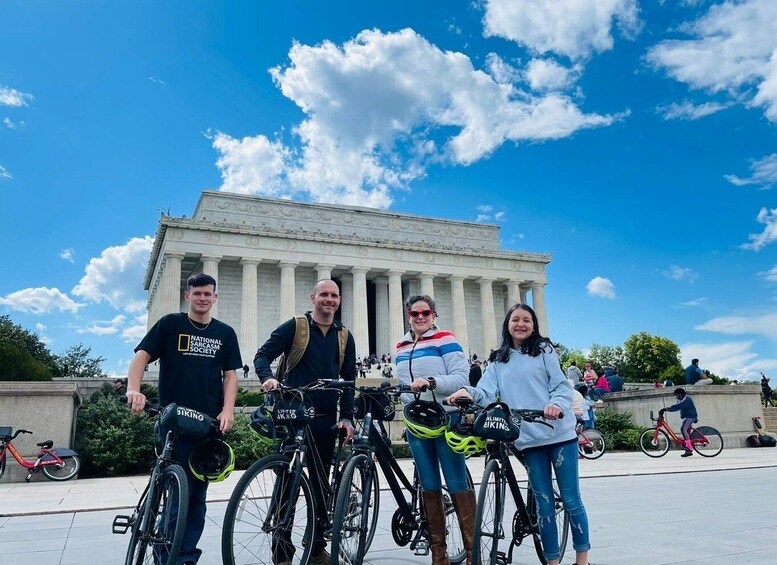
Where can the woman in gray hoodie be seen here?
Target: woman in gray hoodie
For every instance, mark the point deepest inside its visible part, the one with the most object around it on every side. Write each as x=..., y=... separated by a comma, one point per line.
x=525, y=373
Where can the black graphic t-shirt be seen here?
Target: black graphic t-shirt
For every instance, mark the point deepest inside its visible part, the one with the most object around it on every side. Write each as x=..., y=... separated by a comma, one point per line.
x=192, y=360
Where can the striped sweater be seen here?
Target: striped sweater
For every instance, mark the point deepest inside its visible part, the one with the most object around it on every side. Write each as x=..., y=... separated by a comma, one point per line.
x=436, y=354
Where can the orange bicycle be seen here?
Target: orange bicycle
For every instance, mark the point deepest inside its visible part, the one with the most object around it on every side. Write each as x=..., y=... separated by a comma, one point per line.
x=655, y=442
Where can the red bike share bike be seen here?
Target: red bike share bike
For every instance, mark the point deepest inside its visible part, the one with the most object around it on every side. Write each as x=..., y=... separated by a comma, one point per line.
x=58, y=464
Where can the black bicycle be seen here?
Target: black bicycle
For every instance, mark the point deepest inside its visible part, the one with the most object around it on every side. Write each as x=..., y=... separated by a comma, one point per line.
x=491, y=504
x=358, y=501
x=157, y=524
x=271, y=515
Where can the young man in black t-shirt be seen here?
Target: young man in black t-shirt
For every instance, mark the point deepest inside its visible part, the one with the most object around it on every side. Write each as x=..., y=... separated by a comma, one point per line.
x=198, y=361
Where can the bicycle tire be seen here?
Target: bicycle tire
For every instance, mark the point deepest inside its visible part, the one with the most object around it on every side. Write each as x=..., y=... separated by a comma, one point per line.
x=659, y=448
x=350, y=521
x=71, y=466
x=714, y=445
x=169, y=502
x=248, y=528
x=596, y=447
x=2, y=465
x=488, y=516
x=454, y=539
x=562, y=524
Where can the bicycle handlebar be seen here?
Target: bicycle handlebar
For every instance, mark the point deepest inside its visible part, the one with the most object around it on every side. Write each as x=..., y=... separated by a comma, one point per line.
x=18, y=432
x=153, y=409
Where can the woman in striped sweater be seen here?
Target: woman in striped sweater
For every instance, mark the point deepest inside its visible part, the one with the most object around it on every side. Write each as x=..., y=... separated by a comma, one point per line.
x=431, y=359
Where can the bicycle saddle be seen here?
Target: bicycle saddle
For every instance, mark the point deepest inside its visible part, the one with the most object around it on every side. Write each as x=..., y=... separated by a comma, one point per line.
x=46, y=444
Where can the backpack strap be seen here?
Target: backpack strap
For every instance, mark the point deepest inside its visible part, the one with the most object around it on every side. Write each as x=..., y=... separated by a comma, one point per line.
x=301, y=337
x=342, y=341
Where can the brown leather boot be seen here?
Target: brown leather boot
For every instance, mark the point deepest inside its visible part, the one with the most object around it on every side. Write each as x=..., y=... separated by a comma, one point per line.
x=464, y=503
x=435, y=524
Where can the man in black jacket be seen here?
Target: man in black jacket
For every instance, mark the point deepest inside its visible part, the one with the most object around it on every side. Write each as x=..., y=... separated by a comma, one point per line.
x=321, y=360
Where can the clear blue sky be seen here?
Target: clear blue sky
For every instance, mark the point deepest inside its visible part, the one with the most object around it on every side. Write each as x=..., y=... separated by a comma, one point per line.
x=635, y=141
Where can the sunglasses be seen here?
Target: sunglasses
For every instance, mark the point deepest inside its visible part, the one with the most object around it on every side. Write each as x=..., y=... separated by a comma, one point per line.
x=416, y=313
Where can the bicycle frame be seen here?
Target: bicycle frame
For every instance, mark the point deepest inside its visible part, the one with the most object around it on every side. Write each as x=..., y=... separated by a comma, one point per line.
x=32, y=465
x=696, y=436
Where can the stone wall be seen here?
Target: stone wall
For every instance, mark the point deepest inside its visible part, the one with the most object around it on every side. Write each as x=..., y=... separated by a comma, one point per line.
x=728, y=408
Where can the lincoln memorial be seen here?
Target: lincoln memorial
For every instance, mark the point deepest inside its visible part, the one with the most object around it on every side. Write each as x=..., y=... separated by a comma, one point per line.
x=267, y=254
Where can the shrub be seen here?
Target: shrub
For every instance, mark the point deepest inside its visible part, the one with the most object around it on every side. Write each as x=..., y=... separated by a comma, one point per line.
x=618, y=429
x=247, y=398
x=245, y=443
x=110, y=440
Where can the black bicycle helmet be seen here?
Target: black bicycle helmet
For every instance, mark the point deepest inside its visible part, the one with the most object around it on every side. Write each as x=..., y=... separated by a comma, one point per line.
x=262, y=424
x=212, y=460
x=425, y=419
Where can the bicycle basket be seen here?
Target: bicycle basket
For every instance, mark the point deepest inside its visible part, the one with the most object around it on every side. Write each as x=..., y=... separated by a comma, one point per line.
x=185, y=421
x=378, y=404
x=496, y=422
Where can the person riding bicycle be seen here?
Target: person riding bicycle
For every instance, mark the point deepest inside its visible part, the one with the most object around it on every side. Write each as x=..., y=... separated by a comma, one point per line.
x=321, y=360
x=432, y=360
x=525, y=373
x=689, y=415
x=198, y=361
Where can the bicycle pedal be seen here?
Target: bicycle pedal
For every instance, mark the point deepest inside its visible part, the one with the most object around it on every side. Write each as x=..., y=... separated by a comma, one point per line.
x=501, y=558
x=420, y=548
x=121, y=524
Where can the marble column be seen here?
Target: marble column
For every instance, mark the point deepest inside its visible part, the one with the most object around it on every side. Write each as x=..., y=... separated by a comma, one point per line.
x=523, y=291
x=513, y=293
x=459, y=312
x=288, y=290
x=323, y=271
x=396, y=308
x=382, y=338
x=249, y=321
x=172, y=282
x=346, y=300
x=538, y=303
x=487, y=315
x=427, y=284
x=210, y=266
x=360, y=327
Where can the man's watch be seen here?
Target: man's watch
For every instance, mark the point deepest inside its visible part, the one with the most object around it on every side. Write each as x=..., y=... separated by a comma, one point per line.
x=432, y=383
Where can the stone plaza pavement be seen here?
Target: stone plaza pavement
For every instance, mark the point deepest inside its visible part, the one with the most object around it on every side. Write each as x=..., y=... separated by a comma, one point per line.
x=642, y=511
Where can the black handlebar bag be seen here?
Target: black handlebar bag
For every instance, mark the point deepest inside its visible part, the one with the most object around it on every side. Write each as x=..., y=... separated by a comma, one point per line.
x=293, y=410
x=497, y=423
x=185, y=421
x=379, y=404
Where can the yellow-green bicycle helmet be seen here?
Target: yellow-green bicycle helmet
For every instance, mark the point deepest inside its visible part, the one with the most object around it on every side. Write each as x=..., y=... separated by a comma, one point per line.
x=461, y=440
x=212, y=460
x=425, y=419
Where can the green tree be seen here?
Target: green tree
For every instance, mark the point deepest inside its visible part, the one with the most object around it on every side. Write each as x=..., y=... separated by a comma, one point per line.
x=602, y=356
x=651, y=358
x=80, y=363
x=27, y=341
x=16, y=364
x=567, y=355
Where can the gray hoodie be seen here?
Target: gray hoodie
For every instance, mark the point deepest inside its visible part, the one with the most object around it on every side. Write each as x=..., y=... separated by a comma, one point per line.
x=530, y=383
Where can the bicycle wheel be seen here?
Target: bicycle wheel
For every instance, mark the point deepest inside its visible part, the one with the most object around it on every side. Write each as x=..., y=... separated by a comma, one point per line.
x=69, y=469
x=707, y=441
x=488, y=517
x=594, y=447
x=654, y=443
x=255, y=509
x=562, y=523
x=160, y=520
x=356, y=510
x=454, y=539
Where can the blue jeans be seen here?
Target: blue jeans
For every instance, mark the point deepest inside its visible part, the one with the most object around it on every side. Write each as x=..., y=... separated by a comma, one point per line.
x=563, y=459
x=430, y=455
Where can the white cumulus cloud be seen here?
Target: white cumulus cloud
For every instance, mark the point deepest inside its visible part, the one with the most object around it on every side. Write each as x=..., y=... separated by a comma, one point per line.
x=762, y=324
x=134, y=333
x=732, y=360
x=67, y=254
x=732, y=49
x=770, y=275
x=116, y=276
x=12, y=97
x=573, y=28
x=40, y=300
x=601, y=287
x=687, y=110
x=547, y=74
x=760, y=240
x=379, y=110
x=677, y=273
x=763, y=173
x=106, y=327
